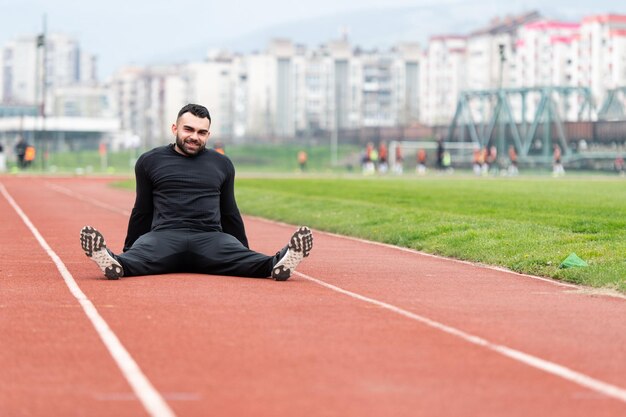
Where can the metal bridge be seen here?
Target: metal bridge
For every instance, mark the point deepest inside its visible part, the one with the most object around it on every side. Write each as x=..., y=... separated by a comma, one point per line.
x=531, y=119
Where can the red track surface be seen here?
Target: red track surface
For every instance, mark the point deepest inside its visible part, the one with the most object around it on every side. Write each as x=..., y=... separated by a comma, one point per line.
x=250, y=347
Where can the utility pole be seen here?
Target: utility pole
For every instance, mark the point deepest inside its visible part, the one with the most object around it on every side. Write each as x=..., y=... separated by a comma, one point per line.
x=334, y=137
x=41, y=44
x=501, y=98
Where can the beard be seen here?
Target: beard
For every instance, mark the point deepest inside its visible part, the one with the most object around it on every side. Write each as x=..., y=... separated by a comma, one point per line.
x=186, y=146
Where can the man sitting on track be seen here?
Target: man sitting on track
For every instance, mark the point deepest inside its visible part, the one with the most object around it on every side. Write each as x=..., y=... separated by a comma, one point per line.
x=185, y=217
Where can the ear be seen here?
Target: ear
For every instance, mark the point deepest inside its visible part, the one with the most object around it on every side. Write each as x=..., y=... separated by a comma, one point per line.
x=174, y=129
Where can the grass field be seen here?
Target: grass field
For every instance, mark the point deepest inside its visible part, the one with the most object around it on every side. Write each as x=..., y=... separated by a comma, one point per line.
x=247, y=158
x=528, y=225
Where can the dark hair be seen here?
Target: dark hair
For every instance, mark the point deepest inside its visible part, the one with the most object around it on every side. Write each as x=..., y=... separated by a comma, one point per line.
x=195, y=109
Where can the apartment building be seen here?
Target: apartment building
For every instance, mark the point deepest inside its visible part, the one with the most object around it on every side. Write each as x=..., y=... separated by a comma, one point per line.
x=53, y=74
x=443, y=76
x=215, y=82
x=22, y=68
x=491, y=52
x=146, y=101
x=544, y=54
x=526, y=51
x=270, y=91
x=599, y=54
x=406, y=77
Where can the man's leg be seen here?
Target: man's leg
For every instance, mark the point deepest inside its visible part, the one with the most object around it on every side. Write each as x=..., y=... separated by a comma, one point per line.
x=299, y=247
x=94, y=246
x=218, y=253
x=153, y=253
x=221, y=254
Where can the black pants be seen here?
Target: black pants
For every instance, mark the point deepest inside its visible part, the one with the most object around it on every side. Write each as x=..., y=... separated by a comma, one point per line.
x=215, y=253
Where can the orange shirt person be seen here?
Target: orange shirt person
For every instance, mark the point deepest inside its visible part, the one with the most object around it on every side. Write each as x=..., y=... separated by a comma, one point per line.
x=302, y=160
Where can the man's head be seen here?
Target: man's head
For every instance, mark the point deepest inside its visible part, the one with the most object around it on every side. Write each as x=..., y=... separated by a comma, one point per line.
x=191, y=129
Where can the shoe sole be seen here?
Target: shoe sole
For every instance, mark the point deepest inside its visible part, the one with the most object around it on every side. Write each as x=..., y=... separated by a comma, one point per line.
x=300, y=246
x=94, y=246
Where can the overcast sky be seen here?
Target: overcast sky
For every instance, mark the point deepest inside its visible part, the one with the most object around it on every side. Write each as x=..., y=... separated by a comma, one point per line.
x=131, y=31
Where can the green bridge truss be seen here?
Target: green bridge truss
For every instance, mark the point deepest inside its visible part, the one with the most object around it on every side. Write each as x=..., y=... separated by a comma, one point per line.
x=534, y=124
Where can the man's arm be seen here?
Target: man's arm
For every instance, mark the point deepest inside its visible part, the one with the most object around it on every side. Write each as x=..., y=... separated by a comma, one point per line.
x=141, y=217
x=232, y=223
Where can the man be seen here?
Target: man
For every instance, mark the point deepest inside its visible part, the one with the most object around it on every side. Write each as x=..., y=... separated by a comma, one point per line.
x=20, y=152
x=185, y=218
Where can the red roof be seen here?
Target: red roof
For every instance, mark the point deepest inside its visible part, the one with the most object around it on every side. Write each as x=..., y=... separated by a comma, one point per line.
x=551, y=24
x=605, y=18
x=561, y=39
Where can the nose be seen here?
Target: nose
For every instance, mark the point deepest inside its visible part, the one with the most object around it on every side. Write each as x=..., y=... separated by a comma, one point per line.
x=194, y=135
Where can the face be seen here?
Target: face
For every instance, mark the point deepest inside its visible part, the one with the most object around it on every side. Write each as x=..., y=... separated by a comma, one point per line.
x=191, y=133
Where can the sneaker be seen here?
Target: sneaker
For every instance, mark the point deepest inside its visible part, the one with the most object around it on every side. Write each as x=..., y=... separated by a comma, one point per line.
x=299, y=247
x=95, y=248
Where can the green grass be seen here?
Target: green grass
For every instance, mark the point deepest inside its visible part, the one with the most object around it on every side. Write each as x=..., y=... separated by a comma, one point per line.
x=528, y=225
x=247, y=158
x=283, y=158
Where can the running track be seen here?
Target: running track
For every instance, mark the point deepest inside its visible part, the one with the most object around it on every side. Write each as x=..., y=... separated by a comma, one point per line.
x=362, y=329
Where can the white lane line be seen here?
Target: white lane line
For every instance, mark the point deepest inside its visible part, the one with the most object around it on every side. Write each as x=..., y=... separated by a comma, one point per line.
x=525, y=358
x=95, y=202
x=430, y=255
x=147, y=394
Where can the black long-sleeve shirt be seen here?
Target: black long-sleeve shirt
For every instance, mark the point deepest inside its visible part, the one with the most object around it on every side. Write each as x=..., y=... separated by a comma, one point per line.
x=175, y=191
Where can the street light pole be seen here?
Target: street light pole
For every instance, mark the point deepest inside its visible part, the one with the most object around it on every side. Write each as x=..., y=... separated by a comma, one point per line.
x=334, y=138
x=501, y=136
x=41, y=43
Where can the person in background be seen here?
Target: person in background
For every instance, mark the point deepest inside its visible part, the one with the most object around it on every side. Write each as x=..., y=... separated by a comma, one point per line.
x=513, y=170
x=302, y=160
x=619, y=165
x=477, y=160
x=373, y=160
x=185, y=217
x=420, y=169
x=440, y=153
x=485, y=160
x=557, y=164
x=219, y=148
x=383, y=162
x=493, y=160
x=398, y=167
x=447, y=162
x=368, y=164
x=29, y=156
x=20, y=152
x=3, y=159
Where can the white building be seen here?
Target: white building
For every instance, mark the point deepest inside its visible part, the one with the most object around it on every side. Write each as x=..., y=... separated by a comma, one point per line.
x=20, y=65
x=22, y=68
x=214, y=83
x=491, y=52
x=270, y=90
x=544, y=54
x=406, y=77
x=146, y=101
x=443, y=76
x=600, y=54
